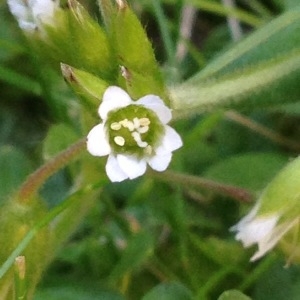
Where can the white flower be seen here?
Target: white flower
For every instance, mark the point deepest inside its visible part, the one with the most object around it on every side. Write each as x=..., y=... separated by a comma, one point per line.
x=265, y=230
x=31, y=14
x=132, y=134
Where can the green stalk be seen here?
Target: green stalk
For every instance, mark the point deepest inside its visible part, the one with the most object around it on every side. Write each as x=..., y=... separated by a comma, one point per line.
x=195, y=181
x=38, y=178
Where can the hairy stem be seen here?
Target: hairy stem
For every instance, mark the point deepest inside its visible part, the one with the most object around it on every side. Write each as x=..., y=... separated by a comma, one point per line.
x=189, y=180
x=262, y=130
x=37, y=179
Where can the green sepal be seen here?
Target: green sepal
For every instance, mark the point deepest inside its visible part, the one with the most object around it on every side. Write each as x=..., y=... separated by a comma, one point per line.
x=88, y=87
x=139, y=84
x=282, y=195
x=135, y=53
x=78, y=40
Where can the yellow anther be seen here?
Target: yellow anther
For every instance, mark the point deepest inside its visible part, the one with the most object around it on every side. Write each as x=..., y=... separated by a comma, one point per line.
x=136, y=123
x=124, y=122
x=127, y=124
x=119, y=140
x=115, y=126
x=137, y=137
x=130, y=126
x=143, y=129
x=144, y=121
x=142, y=144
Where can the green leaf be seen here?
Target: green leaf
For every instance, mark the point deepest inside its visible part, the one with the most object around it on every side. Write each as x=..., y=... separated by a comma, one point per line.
x=169, y=291
x=138, y=250
x=211, y=247
x=278, y=283
x=71, y=292
x=278, y=37
x=18, y=230
x=251, y=170
x=256, y=86
x=20, y=81
x=74, y=212
x=219, y=9
x=134, y=53
x=14, y=167
x=291, y=4
x=257, y=72
x=59, y=138
x=233, y=295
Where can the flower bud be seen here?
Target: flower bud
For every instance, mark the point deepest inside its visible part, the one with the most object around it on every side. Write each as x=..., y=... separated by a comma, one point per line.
x=275, y=214
x=87, y=86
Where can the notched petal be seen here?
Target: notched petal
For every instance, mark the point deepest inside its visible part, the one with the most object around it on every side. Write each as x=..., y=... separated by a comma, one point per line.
x=160, y=162
x=113, y=170
x=171, y=141
x=113, y=98
x=132, y=166
x=97, y=143
x=157, y=105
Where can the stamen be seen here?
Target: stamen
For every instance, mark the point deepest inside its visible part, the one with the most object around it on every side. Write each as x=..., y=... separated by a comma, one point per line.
x=136, y=123
x=130, y=126
x=119, y=140
x=124, y=122
x=144, y=121
x=115, y=126
x=142, y=144
x=143, y=129
x=137, y=137
x=127, y=124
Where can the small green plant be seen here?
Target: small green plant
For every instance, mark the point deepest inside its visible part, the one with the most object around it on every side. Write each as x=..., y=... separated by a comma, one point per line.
x=152, y=220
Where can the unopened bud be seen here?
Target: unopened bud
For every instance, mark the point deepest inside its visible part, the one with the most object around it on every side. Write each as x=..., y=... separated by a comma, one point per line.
x=275, y=214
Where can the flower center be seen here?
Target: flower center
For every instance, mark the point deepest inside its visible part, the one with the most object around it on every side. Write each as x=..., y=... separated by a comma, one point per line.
x=134, y=129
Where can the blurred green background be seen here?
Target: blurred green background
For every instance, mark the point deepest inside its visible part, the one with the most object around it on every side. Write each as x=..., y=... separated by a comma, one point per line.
x=154, y=237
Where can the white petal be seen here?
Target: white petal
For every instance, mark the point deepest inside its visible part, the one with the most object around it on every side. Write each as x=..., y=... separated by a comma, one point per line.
x=43, y=8
x=247, y=219
x=257, y=230
x=132, y=166
x=113, y=98
x=97, y=143
x=18, y=9
x=22, y=13
x=170, y=141
x=157, y=105
x=113, y=170
x=150, y=99
x=160, y=162
x=267, y=244
x=27, y=26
